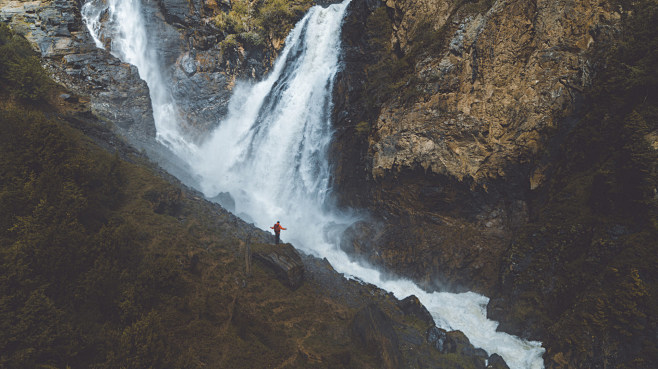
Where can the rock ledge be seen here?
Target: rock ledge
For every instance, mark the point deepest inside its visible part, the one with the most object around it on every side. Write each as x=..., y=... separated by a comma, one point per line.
x=284, y=260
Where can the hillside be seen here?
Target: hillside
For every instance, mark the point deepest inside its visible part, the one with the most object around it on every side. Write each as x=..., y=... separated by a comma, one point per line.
x=108, y=262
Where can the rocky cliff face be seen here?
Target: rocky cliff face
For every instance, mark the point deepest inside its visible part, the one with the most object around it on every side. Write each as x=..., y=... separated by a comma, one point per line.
x=467, y=94
x=114, y=89
x=199, y=68
x=509, y=146
x=199, y=59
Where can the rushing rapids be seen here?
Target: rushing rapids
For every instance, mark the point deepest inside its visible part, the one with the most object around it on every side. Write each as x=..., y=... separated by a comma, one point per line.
x=269, y=153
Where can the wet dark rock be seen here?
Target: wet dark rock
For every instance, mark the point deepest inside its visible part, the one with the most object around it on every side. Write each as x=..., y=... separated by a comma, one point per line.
x=359, y=238
x=349, y=147
x=177, y=11
x=496, y=362
x=464, y=347
x=456, y=342
x=373, y=329
x=284, y=260
x=412, y=306
x=481, y=353
x=225, y=200
x=326, y=3
x=439, y=339
x=204, y=93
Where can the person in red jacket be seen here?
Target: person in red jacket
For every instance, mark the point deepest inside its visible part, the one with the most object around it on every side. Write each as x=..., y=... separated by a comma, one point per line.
x=277, y=231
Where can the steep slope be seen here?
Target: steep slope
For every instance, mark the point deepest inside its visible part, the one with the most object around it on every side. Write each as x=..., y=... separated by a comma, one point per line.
x=108, y=262
x=461, y=126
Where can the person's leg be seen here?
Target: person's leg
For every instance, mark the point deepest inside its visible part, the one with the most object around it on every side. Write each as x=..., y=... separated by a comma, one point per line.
x=276, y=238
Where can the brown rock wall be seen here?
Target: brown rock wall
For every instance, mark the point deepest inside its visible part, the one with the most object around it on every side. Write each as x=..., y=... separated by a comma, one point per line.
x=452, y=156
x=504, y=78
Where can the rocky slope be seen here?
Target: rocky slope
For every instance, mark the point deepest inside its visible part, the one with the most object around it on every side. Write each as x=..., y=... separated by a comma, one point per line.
x=109, y=262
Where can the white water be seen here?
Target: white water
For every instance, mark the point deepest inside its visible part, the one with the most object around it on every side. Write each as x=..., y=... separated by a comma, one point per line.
x=129, y=42
x=270, y=154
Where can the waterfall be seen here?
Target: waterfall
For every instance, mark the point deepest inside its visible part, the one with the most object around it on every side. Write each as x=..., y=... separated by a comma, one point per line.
x=129, y=41
x=269, y=153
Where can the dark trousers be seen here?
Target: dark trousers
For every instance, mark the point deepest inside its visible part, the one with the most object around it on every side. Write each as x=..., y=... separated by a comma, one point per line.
x=276, y=238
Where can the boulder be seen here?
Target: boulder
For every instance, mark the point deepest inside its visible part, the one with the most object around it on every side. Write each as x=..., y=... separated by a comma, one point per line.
x=411, y=306
x=439, y=339
x=496, y=362
x=284, y=260
x=455, y=342
x=373, y=329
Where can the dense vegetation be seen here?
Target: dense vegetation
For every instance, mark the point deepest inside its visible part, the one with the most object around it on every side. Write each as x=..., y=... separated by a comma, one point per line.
x=584, y=269
x=252, y=23
x=85, y=281
x=21, y=75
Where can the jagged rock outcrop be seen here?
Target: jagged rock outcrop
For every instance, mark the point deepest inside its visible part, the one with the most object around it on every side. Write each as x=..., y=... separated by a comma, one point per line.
x=186, y=40
x=113, y=89
x=451, y=105
x=496, y=362
x=412, y=306
x=284, y=260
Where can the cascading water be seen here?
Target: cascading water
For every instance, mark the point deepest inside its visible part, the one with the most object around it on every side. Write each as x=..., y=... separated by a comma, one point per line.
x=130, y=42
x=270, y=154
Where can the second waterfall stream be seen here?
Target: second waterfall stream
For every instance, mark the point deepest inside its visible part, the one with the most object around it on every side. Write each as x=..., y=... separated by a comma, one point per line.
x=270, y=154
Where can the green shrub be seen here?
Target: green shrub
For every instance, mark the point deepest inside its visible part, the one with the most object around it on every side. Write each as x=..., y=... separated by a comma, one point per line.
x=251, y=24
x=252, y=38
x=21, y=74
x=362, y=128
x=276, y=16
x=229, y=44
